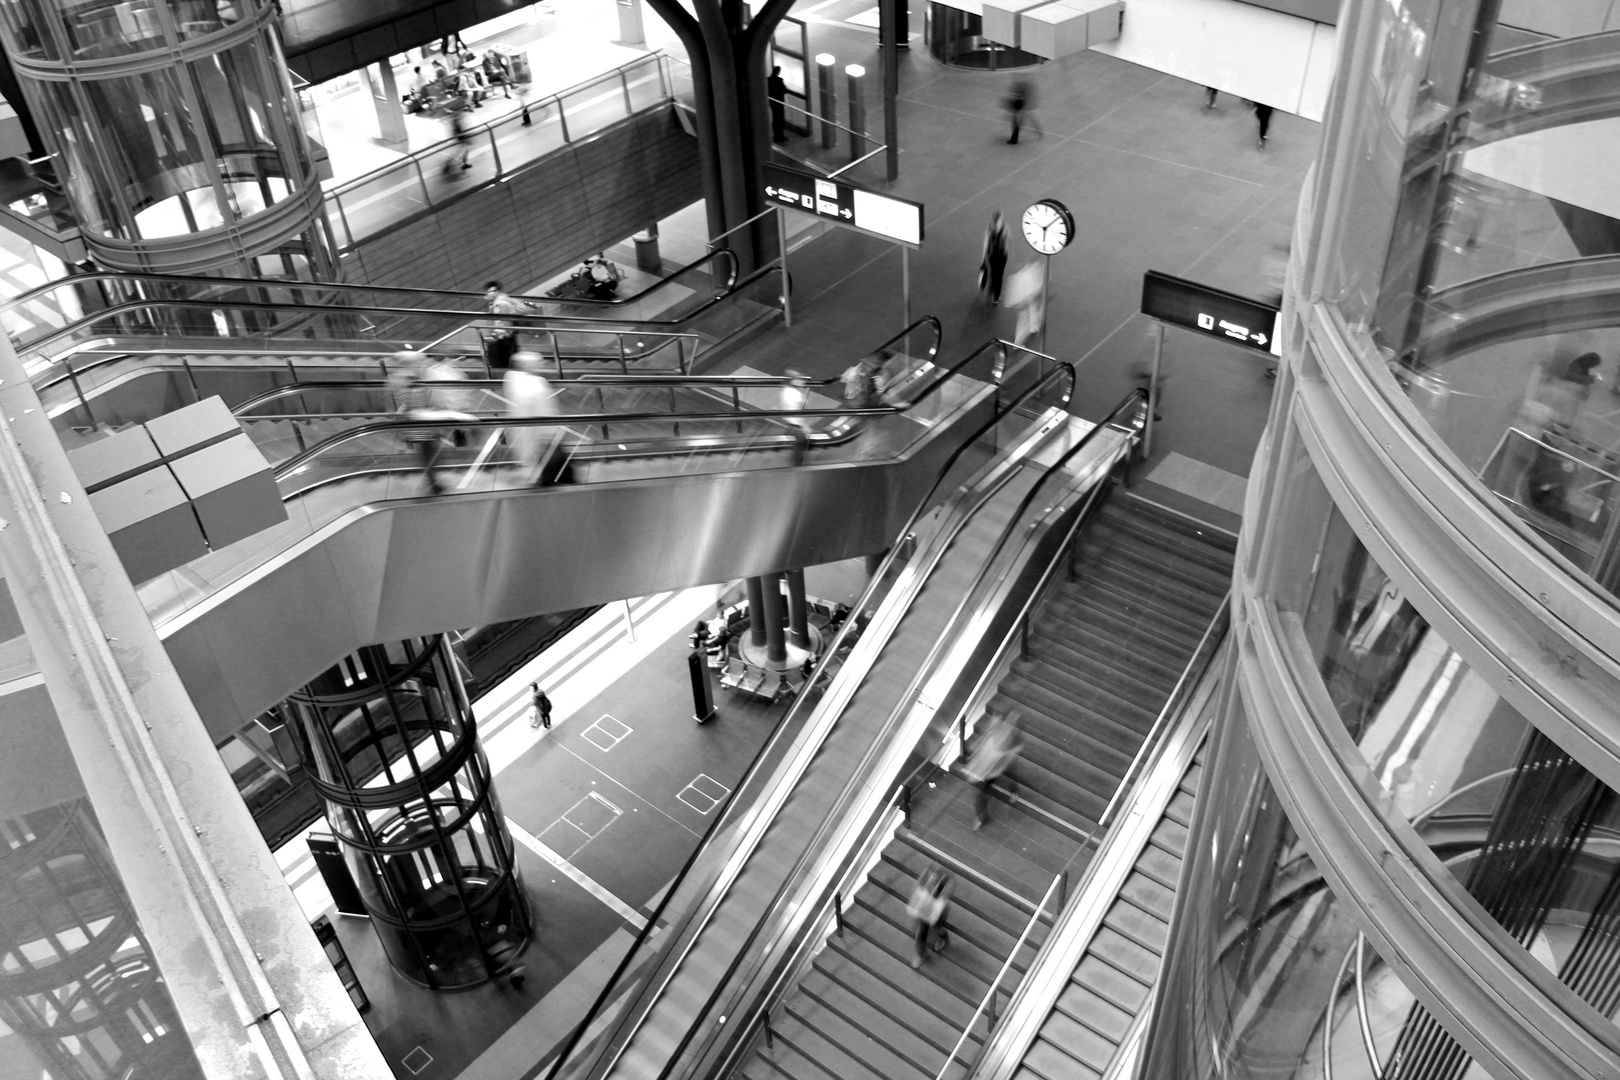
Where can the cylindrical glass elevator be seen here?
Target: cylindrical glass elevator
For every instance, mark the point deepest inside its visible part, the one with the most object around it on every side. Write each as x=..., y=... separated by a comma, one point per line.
x=176, y=133
x=390, y=742
x=1405, y=861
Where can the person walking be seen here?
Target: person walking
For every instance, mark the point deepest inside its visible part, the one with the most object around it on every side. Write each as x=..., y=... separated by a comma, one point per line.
x=776, y=93
x=1026, y=292
x=993, y=262
x=528, y=395
x=502, y=342
x=414, y=399
x=1262, y=117
x=1210, y=94
x=459, y=160
x=542, y=707
x=1020, y=106
x=997, y=750
x=930, y=908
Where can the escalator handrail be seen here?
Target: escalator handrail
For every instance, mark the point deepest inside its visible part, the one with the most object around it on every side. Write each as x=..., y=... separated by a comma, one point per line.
x=766, y=752
x=405, y=423
x=767, y=381
x=237, y=284
x=532, y=322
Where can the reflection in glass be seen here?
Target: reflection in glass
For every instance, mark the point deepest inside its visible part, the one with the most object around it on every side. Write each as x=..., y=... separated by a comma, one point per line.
x=389, y=741
x=1527, y=830
x=78, y=986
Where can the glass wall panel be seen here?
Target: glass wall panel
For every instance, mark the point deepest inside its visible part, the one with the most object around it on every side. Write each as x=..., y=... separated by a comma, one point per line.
x=1267, y=974
x=1526, y=829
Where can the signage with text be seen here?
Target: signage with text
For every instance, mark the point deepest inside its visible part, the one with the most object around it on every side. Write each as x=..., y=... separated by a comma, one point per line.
x=842, y=202
x=1215, y=312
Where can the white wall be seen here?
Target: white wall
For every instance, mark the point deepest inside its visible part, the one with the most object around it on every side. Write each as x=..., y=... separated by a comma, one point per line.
x=1248, y=52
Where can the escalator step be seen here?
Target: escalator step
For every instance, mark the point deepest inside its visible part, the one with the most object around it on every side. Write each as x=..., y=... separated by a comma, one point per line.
x=1103, y=1016
x=1170, y=836
x=1074, y=1041
x=1180, y=808
x=1149, y=895
x=1046, y=1062
x=1110, y=983
x=1135, y=924
x=1126, y=955
x=1159, y=865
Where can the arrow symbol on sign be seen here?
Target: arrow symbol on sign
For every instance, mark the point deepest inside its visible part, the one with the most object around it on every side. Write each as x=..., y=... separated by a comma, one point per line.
x=847, y=213
x=770, y=190
x=1259, y=339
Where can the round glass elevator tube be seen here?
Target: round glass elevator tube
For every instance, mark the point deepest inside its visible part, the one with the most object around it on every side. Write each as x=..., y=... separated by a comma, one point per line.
x=390, y=743
x=77, y=981
x=175, y=128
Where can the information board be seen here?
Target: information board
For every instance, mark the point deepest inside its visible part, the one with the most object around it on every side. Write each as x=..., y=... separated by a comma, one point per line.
x=1211, y=311
x=842, y=202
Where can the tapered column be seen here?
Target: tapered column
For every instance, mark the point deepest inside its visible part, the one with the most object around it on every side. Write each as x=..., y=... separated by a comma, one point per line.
x=775, y=619
x=798, y=624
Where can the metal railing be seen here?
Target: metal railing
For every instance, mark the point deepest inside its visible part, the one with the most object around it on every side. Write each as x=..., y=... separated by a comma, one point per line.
x=988, y=1002
x=492, y=151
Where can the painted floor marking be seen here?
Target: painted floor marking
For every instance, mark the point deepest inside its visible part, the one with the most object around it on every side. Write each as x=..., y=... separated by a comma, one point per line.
x=608, y=731
x=417, y=1060
x=703, y=794
x=576, y=875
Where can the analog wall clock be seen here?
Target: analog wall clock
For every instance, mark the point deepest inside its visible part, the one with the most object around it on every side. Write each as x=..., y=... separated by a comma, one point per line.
x=1048, y=226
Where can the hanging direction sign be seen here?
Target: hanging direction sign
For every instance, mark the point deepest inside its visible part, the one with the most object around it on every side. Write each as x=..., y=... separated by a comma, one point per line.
x=845, y=204
x=1211, y=311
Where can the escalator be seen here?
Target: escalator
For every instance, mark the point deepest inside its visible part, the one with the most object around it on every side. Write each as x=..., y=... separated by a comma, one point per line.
x=819, y=809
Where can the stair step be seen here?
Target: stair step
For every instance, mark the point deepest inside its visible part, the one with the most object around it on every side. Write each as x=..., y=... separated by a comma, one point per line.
x=1148, y=688
x=1060, y=718
x=1139, y=963
x=1170, y=836
x=1071, y=738
x=1090, y=695
x=1076, y=1042
x=1152, y=570
x=1046, y=1062
x=1097, y=1013
x=1149, y=895
x=1138, y=925
x=1032, y=774
x=1111, y=984
x=865, y=992
x=891, y=970
x=873, y=1053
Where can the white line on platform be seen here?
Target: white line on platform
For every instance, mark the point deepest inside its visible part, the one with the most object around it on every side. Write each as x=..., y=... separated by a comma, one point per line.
x=576, y=875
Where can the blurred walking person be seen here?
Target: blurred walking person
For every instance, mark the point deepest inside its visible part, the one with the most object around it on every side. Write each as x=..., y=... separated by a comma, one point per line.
x=542, y=707
x=998, y=748
x=1026, y=292
x=1262, y=117
x=929, y=908
x=528, y=395
x=414, y=399
x=993, y=262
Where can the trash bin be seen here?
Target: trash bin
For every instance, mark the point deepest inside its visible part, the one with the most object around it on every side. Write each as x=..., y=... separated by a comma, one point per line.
x=647, y=250
x=517, y=62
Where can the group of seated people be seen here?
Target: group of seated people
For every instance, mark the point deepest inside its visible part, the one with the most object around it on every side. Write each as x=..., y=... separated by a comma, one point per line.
x=465, y=86
x=597, y=279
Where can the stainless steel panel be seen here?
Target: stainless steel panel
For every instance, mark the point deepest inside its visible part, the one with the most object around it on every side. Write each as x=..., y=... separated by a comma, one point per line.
x=413, y=567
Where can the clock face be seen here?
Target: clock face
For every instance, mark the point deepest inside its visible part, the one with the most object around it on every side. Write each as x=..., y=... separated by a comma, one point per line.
x=1048, y=226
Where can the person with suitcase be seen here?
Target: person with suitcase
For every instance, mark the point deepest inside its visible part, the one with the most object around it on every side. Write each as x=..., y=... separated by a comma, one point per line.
x=542, y=707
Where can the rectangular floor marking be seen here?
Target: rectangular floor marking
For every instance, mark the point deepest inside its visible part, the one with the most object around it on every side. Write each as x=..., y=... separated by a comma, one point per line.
x=608, y=731
x=703, y=794
x=576, y=875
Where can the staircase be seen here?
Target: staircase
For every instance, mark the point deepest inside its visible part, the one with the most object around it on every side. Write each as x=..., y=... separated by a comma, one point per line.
x=1106, y=649
x=1105, y=652
x=1081, y=1034
x=863, y=1012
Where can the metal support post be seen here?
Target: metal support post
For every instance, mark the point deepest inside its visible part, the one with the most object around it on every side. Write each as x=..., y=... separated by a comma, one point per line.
x=857, y=109
x=770, y=1036
x=1153, y=388
x=893, y=29
x=825, y=63
x=838, y=912
x=905, y=285
x=787, y=280
x=1046, y=297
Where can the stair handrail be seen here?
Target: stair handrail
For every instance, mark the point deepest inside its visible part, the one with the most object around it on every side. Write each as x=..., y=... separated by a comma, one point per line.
x=880, y=582
x=1019, y=626
x=995, y=984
